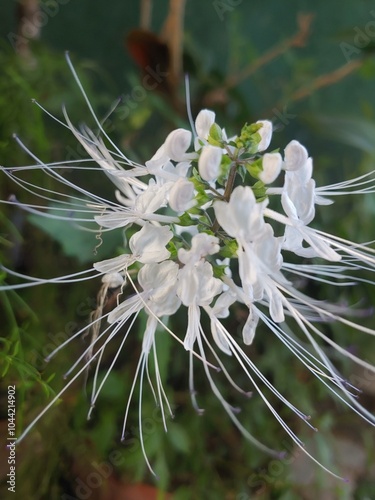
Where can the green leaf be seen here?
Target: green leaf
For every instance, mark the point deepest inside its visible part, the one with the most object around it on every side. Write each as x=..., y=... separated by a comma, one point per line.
x=85, y=246
x=179, y=438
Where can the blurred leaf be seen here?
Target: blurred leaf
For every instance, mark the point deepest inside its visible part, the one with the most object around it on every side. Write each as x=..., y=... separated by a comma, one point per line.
x=356, y=132
x=179, y=437
x=83, y=244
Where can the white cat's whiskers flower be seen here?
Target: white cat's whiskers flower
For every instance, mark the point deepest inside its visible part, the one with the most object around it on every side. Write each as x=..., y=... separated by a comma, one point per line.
x=189, y=186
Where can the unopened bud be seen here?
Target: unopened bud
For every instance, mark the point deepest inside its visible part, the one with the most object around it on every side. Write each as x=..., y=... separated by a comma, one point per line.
x=177, y=143
x=265, y=133
x=203, y=122
x=295, y=156
x=209, y=163
x=181, y=195
x=272, y=163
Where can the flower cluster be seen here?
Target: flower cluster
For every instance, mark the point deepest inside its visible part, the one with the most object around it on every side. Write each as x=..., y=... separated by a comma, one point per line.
x=211, y=222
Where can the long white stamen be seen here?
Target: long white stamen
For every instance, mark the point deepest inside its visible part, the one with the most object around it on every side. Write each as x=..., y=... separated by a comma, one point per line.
x=67, y=57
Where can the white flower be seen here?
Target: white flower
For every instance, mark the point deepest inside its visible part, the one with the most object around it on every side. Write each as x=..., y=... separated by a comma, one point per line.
x=221, y=310
x=147, y=245
x=177, y=143
x=271, y=164
x=249, y=329
x=209, y=162
x=142, y=208
x=221, y=256
x=242, y=217
x=181, y=195
x=158, y=282
x=265, y=133
x=174, y=148
x=203, y=122
x=196, y=287
x=295, y=156
x=202, y=244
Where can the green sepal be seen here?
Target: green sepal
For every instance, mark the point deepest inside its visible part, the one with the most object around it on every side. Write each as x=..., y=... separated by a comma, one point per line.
x=241, y=170
x=199, y=184
x=215, y=137
x=255, y=168
x=202, y=198
x=219, y=271
x=249, y=138
x=229, y=249
x=260, y=191
x=225, y=165
x=172, y=248
x=186, y=220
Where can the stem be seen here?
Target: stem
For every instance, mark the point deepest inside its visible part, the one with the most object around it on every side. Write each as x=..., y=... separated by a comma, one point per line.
x=230, y=183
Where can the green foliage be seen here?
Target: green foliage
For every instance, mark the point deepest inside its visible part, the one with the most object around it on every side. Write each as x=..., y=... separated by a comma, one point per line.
x=76, y=240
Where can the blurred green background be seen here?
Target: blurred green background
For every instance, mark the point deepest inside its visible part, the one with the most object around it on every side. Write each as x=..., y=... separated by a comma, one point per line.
x=318, y=87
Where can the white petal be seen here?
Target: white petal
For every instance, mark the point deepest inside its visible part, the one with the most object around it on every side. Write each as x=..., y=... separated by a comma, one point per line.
x=149, y=334
x=153, y=276
x=209, y=162
x=177, y=143
x=203, y=123
x=193, y=327
x=242, y=217
x=209, y=286
x=271, y=163
x=288, y=206
x=222, y=304
x=153, y=198
x=114, y=265
x=124, y=310
x=187, y=288
x=202, y=244
x=219, y=338
x=181, y=195
x=158, y=160
x=114, y=280
x=116, y=219
x=148, y=244
x=276, y=305
x=265, y=133
x=295, y=156
x=248, y=332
